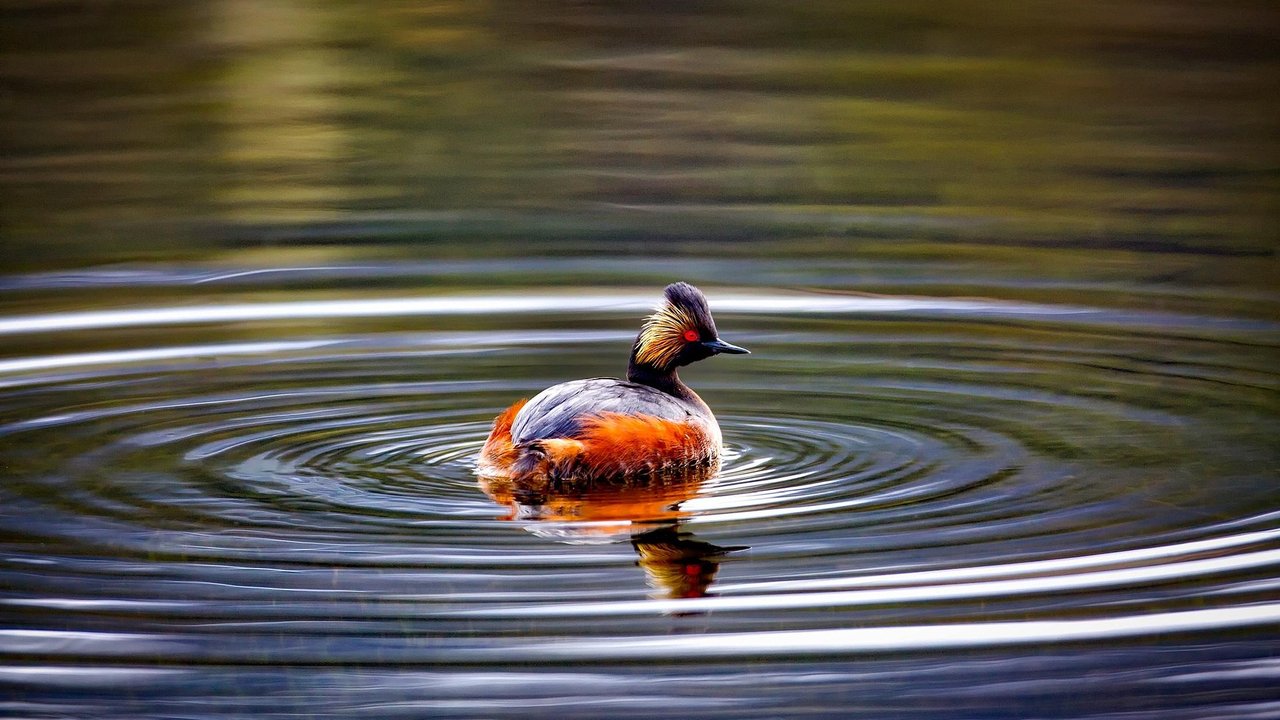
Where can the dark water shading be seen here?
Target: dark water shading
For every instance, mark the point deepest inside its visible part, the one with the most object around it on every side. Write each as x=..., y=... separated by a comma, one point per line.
x=1005, y=446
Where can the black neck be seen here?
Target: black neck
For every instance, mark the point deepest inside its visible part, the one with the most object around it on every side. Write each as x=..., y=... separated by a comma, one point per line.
x=665, y=380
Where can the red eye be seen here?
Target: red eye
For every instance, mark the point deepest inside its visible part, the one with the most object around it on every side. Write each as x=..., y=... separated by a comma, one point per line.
x=691, y=335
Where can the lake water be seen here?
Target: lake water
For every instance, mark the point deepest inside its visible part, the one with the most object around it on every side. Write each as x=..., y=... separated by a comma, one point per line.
x=1005, y=445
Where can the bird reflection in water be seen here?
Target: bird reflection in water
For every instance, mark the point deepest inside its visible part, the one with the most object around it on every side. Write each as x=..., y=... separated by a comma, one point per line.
x=645, y=512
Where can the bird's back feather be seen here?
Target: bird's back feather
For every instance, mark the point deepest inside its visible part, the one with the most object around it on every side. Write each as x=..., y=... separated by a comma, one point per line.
x=562, y=411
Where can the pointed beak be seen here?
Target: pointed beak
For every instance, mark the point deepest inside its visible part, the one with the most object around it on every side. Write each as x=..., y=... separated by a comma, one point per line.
x=718, y=346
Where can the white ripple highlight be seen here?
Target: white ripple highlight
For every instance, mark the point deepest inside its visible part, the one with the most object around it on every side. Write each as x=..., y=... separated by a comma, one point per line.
x=502, y=305
x=936, y=586
x=907, y=637
x=187, y=352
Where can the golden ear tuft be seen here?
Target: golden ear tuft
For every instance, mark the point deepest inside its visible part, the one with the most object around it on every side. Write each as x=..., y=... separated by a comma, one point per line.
x=662, y=337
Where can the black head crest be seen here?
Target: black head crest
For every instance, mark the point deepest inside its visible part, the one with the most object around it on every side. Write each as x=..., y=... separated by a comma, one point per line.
x=692, y=303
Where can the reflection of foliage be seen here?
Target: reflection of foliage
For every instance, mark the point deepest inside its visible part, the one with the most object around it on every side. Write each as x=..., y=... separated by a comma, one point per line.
x=1120, y=125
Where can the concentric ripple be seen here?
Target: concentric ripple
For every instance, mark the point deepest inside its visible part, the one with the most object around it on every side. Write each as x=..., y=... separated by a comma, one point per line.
x=912, y=486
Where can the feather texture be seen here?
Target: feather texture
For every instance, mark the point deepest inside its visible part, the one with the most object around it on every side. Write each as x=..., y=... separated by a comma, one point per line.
x=599, y=428
x=499, y=452
x=613, y=445
x=559, y=411
x=662, y=336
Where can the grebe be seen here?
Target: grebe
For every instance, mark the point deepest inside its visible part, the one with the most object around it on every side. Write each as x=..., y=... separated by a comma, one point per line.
x=601, y=429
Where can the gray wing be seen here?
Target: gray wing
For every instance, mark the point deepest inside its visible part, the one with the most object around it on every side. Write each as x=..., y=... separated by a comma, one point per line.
x=559, y=410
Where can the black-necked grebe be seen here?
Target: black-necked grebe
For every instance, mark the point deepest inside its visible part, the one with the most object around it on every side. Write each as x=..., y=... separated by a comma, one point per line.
x=602, y=428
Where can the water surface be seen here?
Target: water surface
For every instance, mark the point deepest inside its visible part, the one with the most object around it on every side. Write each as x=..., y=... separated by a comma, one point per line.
x=928, y=503
x=1007, y=431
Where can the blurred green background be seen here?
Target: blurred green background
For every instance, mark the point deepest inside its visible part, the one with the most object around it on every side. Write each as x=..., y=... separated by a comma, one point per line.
x=1060, y=135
